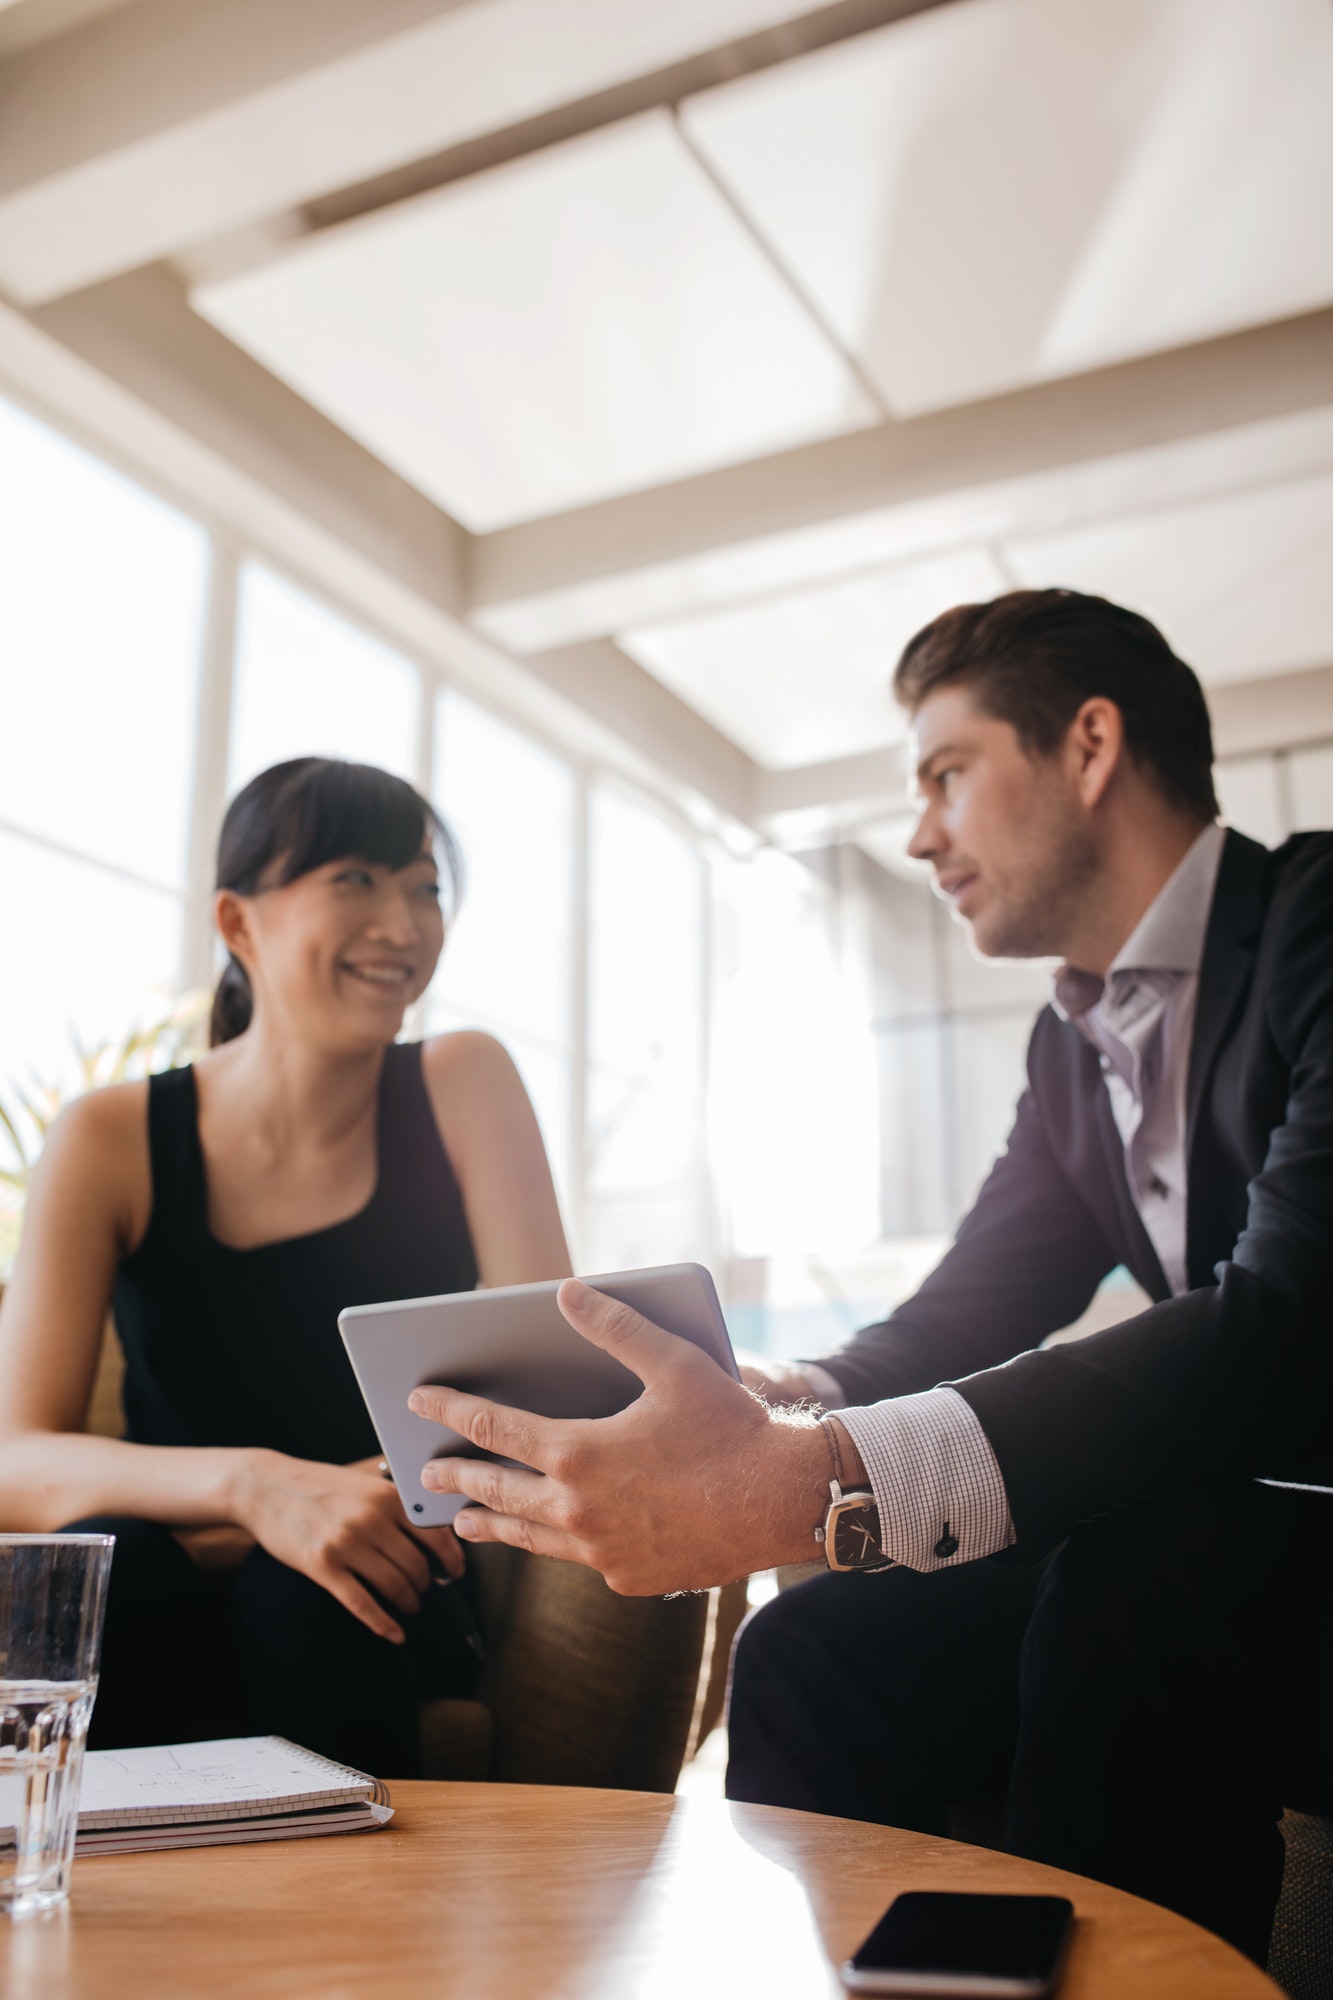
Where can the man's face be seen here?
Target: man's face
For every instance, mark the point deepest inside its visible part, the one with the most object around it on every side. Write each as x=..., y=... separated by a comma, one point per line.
x=1006, y=834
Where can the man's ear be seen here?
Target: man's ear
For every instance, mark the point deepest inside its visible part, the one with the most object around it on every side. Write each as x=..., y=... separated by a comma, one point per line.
x=1095, y=747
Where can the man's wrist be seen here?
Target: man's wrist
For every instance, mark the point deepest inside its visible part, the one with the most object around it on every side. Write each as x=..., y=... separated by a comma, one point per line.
x=800, y=1492
x=807, y=1467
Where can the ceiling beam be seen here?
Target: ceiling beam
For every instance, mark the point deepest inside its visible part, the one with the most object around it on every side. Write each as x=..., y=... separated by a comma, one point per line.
x=654, y=90
x=139, y=331
x=870, y=777
x=166, y=123
x=133, y=366
x=154, y=387
x=1034, y=461
x=24, y=23
x=1277, y=712
x=623, y=698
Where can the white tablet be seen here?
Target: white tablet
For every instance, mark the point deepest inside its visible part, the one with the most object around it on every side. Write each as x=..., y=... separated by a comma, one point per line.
x=513, y=1346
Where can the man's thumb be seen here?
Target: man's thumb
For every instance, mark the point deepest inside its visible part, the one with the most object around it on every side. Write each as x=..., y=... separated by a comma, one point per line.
x=615, y=1327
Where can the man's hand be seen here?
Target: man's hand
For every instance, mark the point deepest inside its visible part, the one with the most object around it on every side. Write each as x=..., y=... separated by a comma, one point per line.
x=696, y=1483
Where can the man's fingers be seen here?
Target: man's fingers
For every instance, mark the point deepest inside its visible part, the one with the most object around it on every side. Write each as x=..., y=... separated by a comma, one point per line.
x=479, y=1524
x=490, y=1426
x=640, y=1346
x=505, y=1488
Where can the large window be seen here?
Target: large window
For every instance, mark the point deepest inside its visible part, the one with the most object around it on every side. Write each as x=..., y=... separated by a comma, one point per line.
x=580, y=941
x=310, y=684
x=697, y=1032
x=508, y=962
x=647, y=1187
x=795, y=1133
x=101, y=617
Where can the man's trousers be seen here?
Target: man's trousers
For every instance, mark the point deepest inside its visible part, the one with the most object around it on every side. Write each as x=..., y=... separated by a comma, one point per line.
x=1148, y=1695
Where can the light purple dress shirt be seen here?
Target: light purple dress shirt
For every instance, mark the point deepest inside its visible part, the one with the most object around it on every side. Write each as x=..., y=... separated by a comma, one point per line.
x=928, y=1457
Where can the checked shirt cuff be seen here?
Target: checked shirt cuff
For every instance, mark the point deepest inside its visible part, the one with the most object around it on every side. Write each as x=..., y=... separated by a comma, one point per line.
x=936, y=1481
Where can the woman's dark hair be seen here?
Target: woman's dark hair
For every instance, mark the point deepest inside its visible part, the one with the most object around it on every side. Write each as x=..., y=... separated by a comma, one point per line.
x=1033, y=657
x=303, y=814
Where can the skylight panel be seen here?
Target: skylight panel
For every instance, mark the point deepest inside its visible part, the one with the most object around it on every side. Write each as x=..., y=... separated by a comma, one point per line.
x=575, y=325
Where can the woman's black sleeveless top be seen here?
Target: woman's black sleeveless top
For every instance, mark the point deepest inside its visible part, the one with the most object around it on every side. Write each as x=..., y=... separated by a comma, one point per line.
x=241, y=1347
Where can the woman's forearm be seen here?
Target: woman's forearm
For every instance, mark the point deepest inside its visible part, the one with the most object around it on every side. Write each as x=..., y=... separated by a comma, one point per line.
x=49, y=1478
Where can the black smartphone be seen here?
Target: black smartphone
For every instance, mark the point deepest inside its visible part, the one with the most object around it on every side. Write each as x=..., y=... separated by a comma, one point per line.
x=959, y=1947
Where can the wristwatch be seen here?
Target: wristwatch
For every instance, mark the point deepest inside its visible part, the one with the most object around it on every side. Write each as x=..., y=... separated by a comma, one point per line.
x=850, y=1531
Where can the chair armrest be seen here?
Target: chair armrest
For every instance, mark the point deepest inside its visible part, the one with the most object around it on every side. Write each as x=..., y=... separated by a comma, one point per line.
x=587, y=1688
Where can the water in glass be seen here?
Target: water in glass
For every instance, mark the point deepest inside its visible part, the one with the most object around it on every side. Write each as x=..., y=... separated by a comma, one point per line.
x=43, y=1725
x=52, y=1592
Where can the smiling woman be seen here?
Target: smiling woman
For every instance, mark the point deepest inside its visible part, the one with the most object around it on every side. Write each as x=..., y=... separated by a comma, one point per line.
x=265, y=1577
x=343, y=829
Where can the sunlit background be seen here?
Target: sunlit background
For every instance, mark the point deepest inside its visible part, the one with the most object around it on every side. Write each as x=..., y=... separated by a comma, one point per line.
x=574, y=405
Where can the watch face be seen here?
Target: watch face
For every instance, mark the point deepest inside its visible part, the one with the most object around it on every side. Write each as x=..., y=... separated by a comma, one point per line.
x=854, y=1538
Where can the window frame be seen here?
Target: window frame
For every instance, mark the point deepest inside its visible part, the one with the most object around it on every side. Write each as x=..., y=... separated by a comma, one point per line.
x=212, y=733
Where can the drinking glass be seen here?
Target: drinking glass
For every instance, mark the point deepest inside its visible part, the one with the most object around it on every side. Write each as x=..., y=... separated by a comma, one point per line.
x=52, y=1596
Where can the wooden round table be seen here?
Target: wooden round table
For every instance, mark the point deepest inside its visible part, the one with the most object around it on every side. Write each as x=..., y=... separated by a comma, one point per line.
x=491, y=1892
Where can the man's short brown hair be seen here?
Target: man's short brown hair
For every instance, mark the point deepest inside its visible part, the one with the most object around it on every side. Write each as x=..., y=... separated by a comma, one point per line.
x=1033, y=657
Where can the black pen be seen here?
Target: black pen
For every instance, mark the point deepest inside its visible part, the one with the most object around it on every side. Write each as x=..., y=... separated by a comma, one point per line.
x=462, y=1610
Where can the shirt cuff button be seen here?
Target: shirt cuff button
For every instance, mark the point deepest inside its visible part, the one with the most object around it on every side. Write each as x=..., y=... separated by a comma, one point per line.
x=946, y=1546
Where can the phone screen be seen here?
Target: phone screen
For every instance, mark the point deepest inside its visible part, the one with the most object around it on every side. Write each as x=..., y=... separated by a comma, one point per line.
x=999, y=1937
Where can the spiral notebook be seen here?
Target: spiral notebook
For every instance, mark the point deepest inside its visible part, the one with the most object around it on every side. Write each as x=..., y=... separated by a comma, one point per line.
x=213, y=1794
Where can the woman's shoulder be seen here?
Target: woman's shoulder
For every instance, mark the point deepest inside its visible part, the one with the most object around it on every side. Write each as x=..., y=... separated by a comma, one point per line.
x=469, y=1075
x=97, y=1150
x=106, y=1121
x=466, y=1052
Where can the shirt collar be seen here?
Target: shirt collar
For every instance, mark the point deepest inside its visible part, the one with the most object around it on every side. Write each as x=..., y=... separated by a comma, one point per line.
x=1169, y=936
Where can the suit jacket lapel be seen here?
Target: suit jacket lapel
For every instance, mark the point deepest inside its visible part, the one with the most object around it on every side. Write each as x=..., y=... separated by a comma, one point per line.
x=1224, y=977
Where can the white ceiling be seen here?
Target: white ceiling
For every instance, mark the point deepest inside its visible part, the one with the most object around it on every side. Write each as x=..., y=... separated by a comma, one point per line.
x=577, y=324
x=752, y=386
x=1003, y=191
x=987, y=195
x=804, y=678
x=171, y=122
x=1241, y=587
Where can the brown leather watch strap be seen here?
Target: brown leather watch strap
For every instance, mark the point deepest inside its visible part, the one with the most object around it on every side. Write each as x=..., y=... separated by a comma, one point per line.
x=835, y=1455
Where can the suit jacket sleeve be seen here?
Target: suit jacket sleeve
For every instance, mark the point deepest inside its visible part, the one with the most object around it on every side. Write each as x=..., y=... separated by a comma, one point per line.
x=1229, y=1380
x=1027, y=1259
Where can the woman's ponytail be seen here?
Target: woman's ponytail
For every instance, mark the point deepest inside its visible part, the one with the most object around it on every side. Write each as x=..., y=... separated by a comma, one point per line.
x=233, y=1004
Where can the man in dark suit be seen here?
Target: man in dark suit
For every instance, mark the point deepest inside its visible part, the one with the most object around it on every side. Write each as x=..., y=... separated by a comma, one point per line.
x=1098, y=1569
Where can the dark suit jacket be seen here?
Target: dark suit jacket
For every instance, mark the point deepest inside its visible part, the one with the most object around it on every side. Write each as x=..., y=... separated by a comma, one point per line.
x=1233, y=1378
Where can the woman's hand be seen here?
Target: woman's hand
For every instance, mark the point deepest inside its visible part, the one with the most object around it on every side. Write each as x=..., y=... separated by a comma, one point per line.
x=776, y=1381
x=343, y=1526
